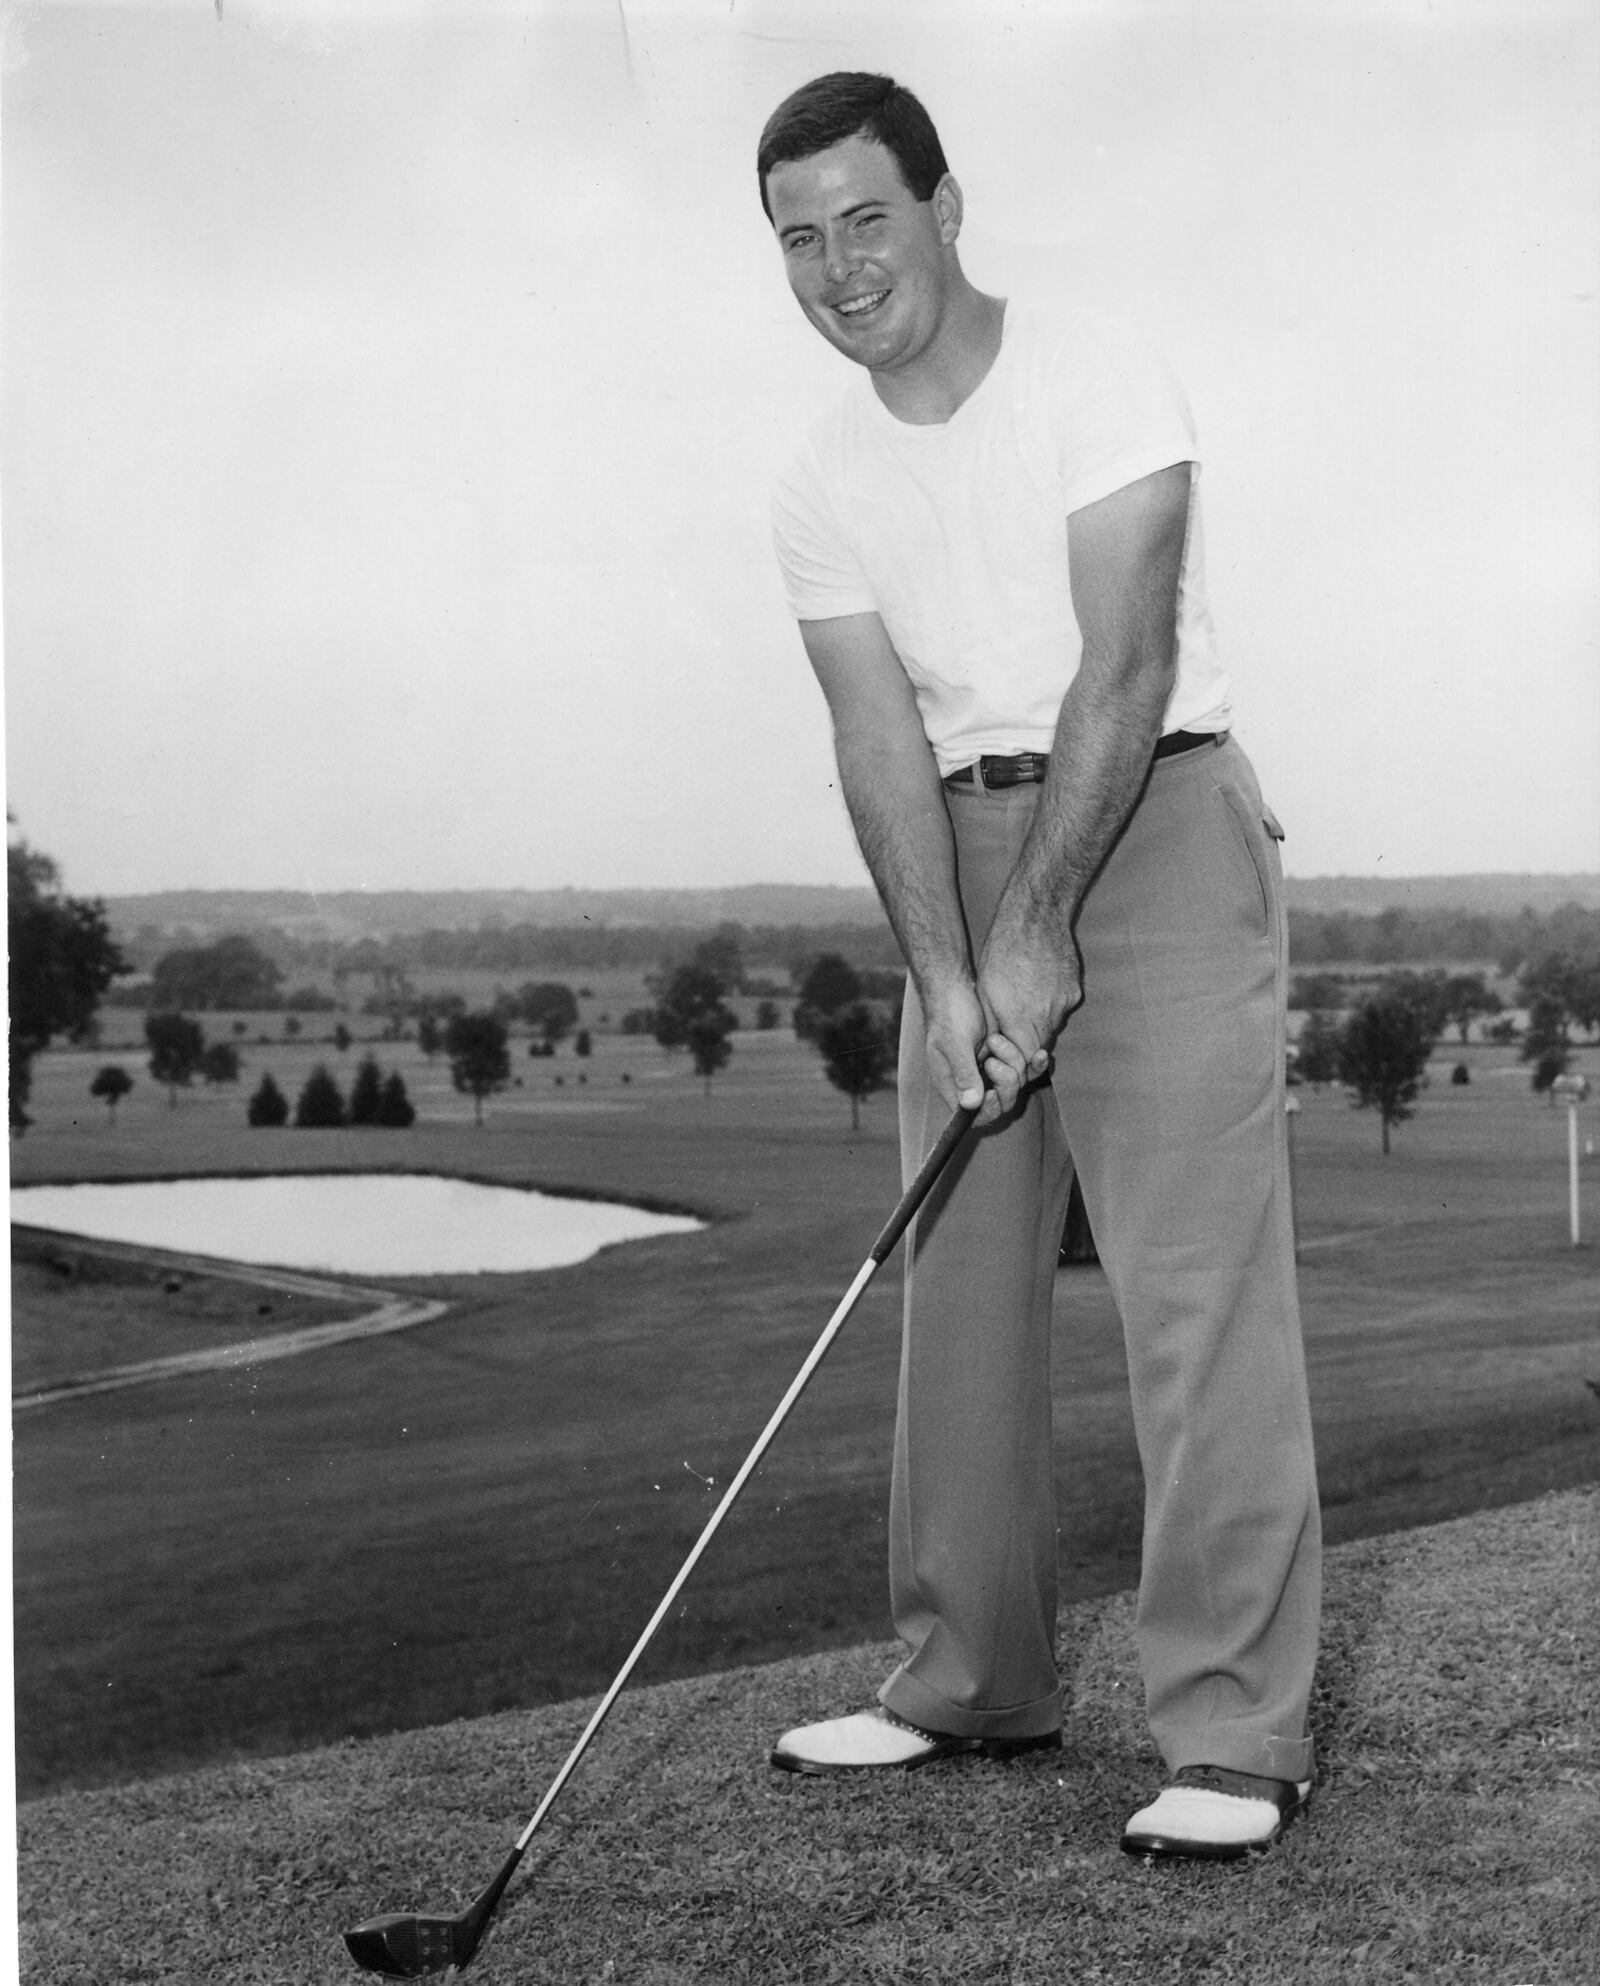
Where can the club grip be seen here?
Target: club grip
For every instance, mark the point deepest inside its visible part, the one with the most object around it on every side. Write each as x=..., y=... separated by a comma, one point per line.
x=922, y=1185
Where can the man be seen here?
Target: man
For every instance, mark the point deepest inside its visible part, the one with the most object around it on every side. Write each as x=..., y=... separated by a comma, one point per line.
x=992, y=548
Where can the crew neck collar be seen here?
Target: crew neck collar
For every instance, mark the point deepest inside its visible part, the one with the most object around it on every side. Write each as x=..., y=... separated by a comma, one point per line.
x=893, y=421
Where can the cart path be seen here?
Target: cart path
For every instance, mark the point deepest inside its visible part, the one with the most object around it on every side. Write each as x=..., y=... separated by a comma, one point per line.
x=391, y=1312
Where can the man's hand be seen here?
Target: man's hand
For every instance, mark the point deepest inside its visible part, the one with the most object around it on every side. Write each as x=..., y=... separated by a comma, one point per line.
x=970, y=1059
x=1028, y=995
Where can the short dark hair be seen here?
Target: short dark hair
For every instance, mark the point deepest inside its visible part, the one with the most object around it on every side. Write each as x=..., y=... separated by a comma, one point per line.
x=850, y=103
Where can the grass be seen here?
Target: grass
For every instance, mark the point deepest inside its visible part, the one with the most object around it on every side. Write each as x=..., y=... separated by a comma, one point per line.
x=84, y=1311
x=1450, y=1839
x=476, y=1516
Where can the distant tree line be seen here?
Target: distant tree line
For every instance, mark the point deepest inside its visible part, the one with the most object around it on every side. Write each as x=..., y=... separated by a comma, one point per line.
x=523, y=947
x=1405, y=937
x=1389, y=937
x=1559, y=990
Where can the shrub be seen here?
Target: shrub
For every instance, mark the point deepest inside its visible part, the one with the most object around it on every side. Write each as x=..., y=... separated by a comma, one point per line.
x=1461, y=1073
x=219, y=1062
x=366, y=1093
x=395, y=1108
x=269, y=1106
x=321, y=1103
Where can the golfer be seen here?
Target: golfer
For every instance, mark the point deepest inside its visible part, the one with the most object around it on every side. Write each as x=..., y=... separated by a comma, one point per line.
x=992, y=545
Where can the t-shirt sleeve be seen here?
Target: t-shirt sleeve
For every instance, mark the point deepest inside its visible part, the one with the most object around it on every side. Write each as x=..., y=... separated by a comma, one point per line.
x=821, y=576
x=1117, y=412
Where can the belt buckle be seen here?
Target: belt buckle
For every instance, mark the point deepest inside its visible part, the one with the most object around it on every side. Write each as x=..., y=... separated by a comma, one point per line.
x=1010, y=769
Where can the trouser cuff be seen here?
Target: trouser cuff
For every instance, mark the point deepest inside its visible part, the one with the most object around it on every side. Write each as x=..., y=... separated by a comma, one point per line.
x=1239, y=1750
x=911, y=1700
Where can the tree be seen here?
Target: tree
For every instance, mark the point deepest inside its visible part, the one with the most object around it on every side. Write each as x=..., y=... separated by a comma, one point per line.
x=1547, y=1033
x=61, y=961
x=1384, y=1047
x=430, y=1036
x=1425, y=994
x=1549, y=1068
x=1585, y=995
x=709, y=1044
x=857, y=1054
x=113, y=1084
x=341, y=1038
x=722, y=955
x=366, y=1093
x=1466, y=996
x=176, y=1047
x=1316, y=992
x=269, y=1106
x=583, y=1043
x=1317, y=1050
x=480, y=1061
x=831, y=983
x=228, y=975
x=548, y=1007
x=395, y=1109
x=692, y=993
x=320, y=1106
x=768, y=1015
x=219, y=1062
x=1566, y=986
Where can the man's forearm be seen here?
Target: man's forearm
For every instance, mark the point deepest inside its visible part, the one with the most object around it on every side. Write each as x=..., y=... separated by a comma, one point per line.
x=897, y=808
x=1099, y=760
x=1126, y=555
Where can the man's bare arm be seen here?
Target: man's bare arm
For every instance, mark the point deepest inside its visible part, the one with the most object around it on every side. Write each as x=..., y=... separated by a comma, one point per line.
x=892, y=789
x=1126, y=556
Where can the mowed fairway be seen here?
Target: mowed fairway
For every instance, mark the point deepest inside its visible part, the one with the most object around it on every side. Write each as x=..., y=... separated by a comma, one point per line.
x=480, y=1513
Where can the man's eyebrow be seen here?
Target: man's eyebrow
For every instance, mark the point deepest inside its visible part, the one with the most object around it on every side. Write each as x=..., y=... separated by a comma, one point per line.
x=801, y=227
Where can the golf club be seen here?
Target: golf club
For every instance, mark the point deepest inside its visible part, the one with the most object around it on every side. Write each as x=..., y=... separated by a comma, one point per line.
x=408, y=1947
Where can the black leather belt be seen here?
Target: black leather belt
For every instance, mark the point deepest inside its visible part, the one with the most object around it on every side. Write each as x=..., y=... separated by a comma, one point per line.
x=1028, y=768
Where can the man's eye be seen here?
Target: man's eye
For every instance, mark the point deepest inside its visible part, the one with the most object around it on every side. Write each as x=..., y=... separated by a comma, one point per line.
x=799, y=242
x=867, y=220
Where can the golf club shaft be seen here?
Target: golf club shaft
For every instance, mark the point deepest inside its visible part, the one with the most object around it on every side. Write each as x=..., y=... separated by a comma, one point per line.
x=893, y=1228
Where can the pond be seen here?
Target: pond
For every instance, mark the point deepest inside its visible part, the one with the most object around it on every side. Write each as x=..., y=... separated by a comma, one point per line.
x=358, y=1224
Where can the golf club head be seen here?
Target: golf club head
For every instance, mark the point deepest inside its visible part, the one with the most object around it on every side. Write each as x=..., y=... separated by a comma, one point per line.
x=405, y=1947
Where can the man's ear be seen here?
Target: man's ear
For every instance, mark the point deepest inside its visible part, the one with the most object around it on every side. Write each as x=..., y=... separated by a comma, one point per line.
x=948, y=209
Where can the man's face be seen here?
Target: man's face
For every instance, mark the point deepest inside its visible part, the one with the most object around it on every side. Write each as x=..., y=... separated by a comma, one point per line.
x=870, y=263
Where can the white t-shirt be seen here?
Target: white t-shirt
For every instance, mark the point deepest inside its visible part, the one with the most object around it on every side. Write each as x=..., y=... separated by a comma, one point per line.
x=956, y=533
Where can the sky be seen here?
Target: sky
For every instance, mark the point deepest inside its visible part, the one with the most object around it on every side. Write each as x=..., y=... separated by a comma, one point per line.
x=391, y=393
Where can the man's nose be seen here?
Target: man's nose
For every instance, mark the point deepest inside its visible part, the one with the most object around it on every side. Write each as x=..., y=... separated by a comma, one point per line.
x=839, y=257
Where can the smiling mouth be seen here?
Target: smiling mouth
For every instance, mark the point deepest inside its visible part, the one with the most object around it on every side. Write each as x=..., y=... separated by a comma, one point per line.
x=861, y=306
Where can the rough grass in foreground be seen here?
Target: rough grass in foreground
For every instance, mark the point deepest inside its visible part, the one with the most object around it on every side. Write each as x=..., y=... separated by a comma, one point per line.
x=1451, y=1838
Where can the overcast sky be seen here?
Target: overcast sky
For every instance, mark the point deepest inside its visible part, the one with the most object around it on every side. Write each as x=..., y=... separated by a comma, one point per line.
x=391, y=393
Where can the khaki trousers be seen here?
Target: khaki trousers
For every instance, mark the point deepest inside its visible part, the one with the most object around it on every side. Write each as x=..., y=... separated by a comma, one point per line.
x=1167, y=1098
